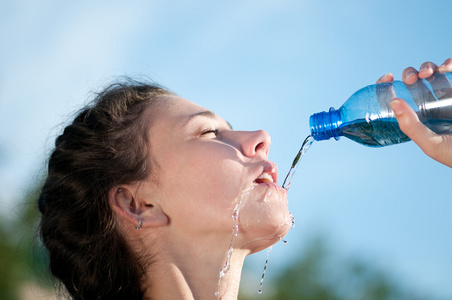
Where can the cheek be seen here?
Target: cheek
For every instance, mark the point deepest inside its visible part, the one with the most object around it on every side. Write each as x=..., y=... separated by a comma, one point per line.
x=203, y=185
x=219, y=179
x=215, y=171
x=215, y=188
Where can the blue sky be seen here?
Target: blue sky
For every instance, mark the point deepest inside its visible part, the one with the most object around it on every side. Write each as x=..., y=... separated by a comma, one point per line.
x=260, y=65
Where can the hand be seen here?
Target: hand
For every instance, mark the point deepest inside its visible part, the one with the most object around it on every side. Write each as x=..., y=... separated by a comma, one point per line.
x=438, y=147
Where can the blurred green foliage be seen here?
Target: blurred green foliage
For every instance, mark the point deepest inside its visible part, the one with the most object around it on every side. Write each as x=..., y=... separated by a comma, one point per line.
x=22, y=259
x=316, y=274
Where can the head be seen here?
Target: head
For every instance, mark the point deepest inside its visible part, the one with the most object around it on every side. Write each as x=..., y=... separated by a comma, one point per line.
x=138, y=152
x=203, y=171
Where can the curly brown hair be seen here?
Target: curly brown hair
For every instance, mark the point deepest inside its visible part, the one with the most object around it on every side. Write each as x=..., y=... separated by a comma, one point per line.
x=106, y=145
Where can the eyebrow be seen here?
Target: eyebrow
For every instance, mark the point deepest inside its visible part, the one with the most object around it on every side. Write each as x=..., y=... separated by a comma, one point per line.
x=207, y=113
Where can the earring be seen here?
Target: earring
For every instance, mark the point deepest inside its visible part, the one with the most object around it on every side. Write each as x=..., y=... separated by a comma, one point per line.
x=119, y=190
x=139, y=224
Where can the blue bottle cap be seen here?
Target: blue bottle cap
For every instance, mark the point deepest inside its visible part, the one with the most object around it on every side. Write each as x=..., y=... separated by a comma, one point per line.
x=325, y=125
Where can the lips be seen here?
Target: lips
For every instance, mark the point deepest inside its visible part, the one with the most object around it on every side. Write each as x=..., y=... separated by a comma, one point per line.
x=263, y=178
x=269, y=174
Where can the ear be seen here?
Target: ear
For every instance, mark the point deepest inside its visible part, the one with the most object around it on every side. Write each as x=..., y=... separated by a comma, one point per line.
x=133, y=207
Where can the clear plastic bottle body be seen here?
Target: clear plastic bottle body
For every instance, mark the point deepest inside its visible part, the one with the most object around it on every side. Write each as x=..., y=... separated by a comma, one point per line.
x=367, y=118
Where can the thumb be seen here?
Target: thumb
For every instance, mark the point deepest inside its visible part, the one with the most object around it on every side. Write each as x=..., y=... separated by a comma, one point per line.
x=409, y=123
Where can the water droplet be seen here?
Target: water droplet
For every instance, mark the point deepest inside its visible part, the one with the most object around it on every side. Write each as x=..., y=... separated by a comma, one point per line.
x=284, y=241
x=269, y=250
x=293, y=221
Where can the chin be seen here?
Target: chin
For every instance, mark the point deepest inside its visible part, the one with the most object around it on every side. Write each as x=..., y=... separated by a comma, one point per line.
x=263, y=235
x=264, y=217
x=264, y=243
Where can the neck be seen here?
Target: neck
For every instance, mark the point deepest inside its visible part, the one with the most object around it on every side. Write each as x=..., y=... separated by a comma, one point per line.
x=195, y=272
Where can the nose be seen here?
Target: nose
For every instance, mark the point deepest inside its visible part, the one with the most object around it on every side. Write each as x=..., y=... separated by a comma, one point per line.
x=254, y=143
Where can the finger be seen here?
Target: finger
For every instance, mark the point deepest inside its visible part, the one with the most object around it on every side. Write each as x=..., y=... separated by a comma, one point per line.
x=409, y=123
x=410, y=75
x=446, y=66
x=427, y=69
x=386, y=78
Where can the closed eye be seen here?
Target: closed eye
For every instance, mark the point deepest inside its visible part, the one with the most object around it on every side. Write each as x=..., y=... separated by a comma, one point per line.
x=210, y=131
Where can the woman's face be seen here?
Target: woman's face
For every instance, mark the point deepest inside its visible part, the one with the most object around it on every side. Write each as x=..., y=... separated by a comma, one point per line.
x=205, y=170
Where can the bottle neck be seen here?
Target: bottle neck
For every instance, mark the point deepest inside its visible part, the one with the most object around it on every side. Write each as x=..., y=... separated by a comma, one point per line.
x=325, y=125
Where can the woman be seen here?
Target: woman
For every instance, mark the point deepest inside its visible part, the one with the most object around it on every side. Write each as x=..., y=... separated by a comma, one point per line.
x=144, y=195
x=150, y=196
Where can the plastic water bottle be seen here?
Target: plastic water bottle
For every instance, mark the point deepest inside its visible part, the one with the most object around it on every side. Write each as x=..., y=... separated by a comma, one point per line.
x=367, y=118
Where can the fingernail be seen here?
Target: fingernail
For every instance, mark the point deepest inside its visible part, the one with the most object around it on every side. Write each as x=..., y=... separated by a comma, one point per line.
x=383, y=78
x=397, y=107
x=409, y=74
x=424, y=68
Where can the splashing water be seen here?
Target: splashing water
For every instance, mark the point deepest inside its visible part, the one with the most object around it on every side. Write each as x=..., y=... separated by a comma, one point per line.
x=235, y=217
x=235, y=232
x=286, y=184
x=304, y=147
x=261, y=284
